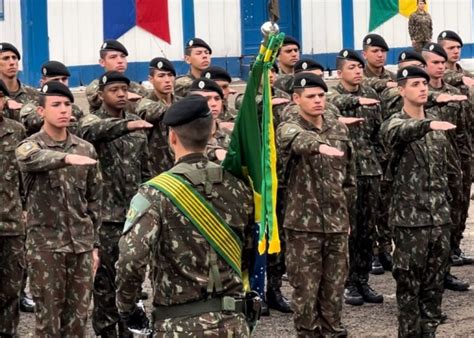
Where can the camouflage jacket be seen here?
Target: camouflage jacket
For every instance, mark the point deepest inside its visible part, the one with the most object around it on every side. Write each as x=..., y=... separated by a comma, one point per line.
x=365, y=136
x=378, y=82
x=11, y=218
x=161, y=156
x=284, y=82
x=454, y=78
x=457, y=113
x=228, y=114
x=33, y=122
x=123, y=159
x=92, y=93
x=420, y=186
x=291, y=110
x=420, y=26
x=219, y=140
x=63, y=202
x=179, y=254
x=24, y=95
x=182, y=84
x=320, y=188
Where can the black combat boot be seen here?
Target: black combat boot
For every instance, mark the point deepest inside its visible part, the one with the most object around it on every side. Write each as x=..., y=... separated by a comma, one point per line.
x=386, y=260
x=370, y=295
x=466, y=260
x=451, y=282
x=265, y=310
x=277, y=301
x=377, y=268
x=352, y=295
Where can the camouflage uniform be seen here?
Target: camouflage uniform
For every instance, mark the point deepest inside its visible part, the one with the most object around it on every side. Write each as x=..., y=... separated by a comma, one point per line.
x=228, y=114
x=152, y=109
x=123, y=159
x=420, y=28
x=12, y=227
x=317, y=222
x=459, y=157
x=33, y=121
x=24, y=95
x=419, y=212
x=182, y=84
x=63, y=205
x=180, y=256
x=92, y=94
x=368, y=154
x=284, y=82
x=219, y=140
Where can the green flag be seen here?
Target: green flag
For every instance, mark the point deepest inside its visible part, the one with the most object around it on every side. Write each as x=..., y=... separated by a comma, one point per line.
x=381, y=11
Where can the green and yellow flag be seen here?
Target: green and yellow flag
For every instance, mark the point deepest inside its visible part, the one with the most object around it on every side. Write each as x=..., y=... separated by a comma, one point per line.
x=383, y=10
x=252, y=154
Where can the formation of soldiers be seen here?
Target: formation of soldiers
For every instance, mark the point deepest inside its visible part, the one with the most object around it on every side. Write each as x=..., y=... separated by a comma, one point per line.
x=374, y=176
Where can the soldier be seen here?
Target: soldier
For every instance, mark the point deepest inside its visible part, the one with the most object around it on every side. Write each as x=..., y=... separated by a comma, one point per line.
x=459, y=144
x=223, y=79
x=420, y=27
x=197, y=54
x=303, y=65
x=321, y=185
x=288, y=56
x=19, y=92
x=152, y=108
x=12, y=227
x=220, y=135
x=113, y=57
x=63, y=201
x=51, y=71
x=121, y=145
x=419, y=209
x=198, y=287
x=356, y=100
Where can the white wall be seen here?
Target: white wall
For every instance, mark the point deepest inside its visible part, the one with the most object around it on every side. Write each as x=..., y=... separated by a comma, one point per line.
x=10, y=27
x=321, y=26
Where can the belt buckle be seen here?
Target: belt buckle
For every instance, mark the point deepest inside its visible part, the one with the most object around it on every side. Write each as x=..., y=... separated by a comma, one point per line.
x=228, y=304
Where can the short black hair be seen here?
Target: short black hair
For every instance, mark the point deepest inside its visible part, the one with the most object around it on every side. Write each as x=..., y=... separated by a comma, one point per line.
x=42, y=100
x=402, y=83
x=196, y=134
x=340, y=63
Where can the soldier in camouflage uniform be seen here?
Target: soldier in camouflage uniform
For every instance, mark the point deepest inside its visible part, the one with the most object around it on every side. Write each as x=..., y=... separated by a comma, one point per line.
x=223, y=79
x=152, y=108
x=420, y=26
x=321, y=185
x=288, y=56
x=197, y=54
x=356, y=100
x=303, y=65
x=51, y=71
x=419, y=210
x=459, y=149
x=462, y=79
x=121, y=145
x=113, y=57
x=19, y=92
x=63, y=200
x=12, y=227
x=190, y=280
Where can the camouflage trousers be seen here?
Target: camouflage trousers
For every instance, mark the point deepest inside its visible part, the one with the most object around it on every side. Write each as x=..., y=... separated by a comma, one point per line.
x=456, y=204
x=458, y=231
x=317, y=269
x=105, y=313
x=384, y=230
x=12, y=265
x=61, y=286
x=212, y=324
x=420, y=262
x=418, y=45
x=363, y=229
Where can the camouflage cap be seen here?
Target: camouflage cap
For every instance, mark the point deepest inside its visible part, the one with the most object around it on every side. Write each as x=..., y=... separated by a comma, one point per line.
x=186, y=110
x=56, y=88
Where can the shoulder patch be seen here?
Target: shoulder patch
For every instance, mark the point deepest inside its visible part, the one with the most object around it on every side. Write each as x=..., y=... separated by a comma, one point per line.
x=26, y=148
x=138, y=206
x=289, y=130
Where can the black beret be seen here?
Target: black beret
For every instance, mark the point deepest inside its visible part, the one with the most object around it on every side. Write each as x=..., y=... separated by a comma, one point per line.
x=112, y=77
x=307, y=64
x=309, y=80
x=205, y=85
x=375, y=40
x=4, y=89
x=216, y=73
x=289, y=40
x=186, y=110
x=56, y=88
x=351, y=55
x=409, y=55
x=54, y=68
x=113, y=45
x=197, y=42
x=450, y=35
x=8, y=47
x=162, y=64
x=411, y=72
x=435, y=48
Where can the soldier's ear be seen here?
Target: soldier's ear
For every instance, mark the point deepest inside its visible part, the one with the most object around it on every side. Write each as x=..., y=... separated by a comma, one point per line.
x=40, y=111
x=102, y=62
x=296, y=98
x=100, y=93
x=187, y=59
x=339, y=73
